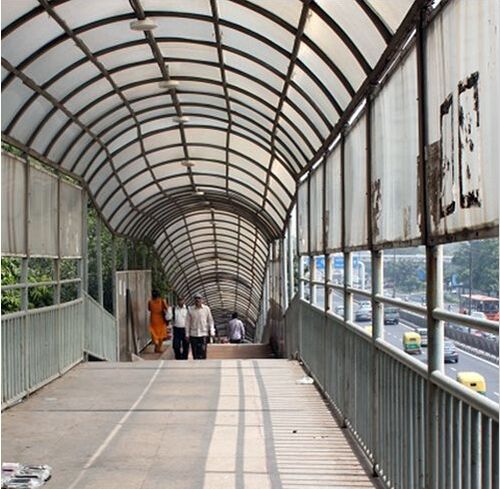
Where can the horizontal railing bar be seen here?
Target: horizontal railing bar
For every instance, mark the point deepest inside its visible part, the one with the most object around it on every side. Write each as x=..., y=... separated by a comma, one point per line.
x=482, y=324
x=331, y=285
x=402, y=304
x=54, y=307
x=361, y=292
x=477, y=401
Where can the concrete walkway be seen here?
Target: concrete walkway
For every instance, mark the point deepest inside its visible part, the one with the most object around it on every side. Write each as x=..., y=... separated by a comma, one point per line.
x=214, y=424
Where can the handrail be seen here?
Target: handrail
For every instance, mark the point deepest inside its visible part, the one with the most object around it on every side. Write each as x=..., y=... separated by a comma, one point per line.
x=481, y=403
x=477, y=401
x=93, y=301
x=482, y=324
x=402, y=304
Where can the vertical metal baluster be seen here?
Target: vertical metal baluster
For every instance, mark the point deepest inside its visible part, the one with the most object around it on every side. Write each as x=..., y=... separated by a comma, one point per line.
x=475, y=473
x=457, y=442
x=466, y=440
x=486, y=453
x=442, y=438
x=494, y=454
x=410, y=462
x=421, y=447
x=447, y=421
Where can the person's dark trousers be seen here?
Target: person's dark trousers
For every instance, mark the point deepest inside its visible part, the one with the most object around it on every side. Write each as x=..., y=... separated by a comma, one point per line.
x=199, y=347
x=234, y=341
x=181, y=345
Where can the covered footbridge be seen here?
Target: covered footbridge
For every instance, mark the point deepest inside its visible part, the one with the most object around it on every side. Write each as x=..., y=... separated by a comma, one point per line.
x=270, y=155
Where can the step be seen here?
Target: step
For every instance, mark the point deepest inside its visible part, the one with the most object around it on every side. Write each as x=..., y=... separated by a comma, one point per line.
x=239, y=351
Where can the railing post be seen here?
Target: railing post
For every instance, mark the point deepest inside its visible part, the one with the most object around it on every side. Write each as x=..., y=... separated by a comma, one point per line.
x=348, y=301
x=377, y=332
x=284, y=272
x=98, y=260
x=312, y=279
x=291, y=277
x=113, y=273
x=84, y=262
x=348, y=298
x=435, y=332
x=24, y=275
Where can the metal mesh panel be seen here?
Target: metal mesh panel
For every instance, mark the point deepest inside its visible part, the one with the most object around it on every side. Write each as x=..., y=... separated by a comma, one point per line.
x=355, y=211
x=13, y=205
x=316, y=202
x=71, y=221
x=303, y=223
x=43, y=214
x=462, y=107
x=333, y=200
x=394, y=187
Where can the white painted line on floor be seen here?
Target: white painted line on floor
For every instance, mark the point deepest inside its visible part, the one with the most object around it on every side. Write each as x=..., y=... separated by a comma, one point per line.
x=117, y=428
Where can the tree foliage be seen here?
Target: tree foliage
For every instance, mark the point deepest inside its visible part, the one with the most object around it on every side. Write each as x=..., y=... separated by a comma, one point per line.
x=405, y=274
x=476, y=263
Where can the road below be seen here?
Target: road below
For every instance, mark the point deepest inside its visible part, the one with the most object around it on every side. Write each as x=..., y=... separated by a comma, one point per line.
x=466, y=361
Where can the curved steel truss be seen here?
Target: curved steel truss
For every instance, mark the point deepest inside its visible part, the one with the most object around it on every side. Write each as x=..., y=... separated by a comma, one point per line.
x=207, y=168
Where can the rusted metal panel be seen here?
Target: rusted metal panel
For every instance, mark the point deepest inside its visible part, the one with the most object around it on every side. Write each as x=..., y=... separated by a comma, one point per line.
x=394, y=140
x=303, y=218
x=462, y=111
x=355, y=211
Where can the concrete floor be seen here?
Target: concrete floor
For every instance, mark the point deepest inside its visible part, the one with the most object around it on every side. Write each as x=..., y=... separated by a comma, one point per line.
x=214, y=424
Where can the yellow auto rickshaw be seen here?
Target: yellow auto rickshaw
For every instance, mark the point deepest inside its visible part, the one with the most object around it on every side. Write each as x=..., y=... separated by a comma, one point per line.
x=473, y=380
x=412, y=343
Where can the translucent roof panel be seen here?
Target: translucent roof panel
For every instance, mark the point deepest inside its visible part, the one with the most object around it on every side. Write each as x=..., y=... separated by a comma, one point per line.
x=209, y=167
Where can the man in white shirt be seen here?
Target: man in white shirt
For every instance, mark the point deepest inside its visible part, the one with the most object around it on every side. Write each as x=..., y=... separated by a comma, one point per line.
x=235, y=329
x=199, y=327
x=178, y=315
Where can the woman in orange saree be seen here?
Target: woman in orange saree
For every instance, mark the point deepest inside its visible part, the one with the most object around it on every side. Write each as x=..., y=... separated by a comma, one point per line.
x=157, y=323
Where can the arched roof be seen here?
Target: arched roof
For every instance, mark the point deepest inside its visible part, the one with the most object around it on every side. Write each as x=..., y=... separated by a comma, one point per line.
x=261, y=85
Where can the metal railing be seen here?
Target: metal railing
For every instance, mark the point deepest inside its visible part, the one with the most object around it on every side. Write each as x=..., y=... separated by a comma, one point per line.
x=101, y=331
x=40, y=345
x=383, y=396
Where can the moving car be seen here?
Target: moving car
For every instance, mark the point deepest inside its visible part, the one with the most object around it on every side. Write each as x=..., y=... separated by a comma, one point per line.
x=411, y=343
x=391, y=315
x=473, y=380
x=339, y=310
x=450, y=352
x=423, y=335
x=363, y=314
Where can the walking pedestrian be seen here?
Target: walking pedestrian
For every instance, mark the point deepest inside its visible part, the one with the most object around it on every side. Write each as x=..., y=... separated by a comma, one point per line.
x=199, y=327
x=235, y=329
x=178, y=318
x=158, y=308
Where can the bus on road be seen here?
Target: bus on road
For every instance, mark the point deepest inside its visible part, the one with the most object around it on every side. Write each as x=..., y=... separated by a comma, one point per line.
x=482, y=303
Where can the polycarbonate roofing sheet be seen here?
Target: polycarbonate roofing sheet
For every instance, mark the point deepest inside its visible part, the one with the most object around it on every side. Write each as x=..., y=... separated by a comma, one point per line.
x=263, y=82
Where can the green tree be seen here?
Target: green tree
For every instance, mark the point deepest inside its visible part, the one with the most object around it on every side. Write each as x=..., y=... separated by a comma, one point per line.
x=476, y=263
x=405, y=274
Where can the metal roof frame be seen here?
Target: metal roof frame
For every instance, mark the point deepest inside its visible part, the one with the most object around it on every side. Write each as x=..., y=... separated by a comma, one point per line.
x=116, y=141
